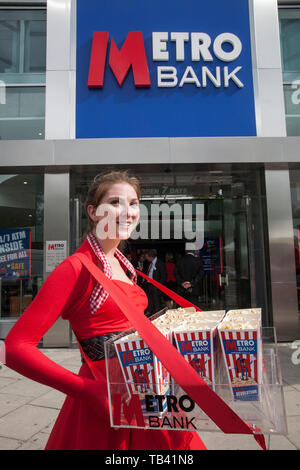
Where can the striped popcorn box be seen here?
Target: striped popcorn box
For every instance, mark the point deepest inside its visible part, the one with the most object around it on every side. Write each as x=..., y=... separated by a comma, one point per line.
x=240, y=336
x=199, y=344
x=143, y=373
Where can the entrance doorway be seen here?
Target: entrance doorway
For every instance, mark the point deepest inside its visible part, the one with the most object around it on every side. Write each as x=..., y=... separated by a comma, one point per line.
x=233, y=245
x=225, y=253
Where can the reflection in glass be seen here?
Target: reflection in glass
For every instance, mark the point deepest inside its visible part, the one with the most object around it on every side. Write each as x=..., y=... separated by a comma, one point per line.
x=22, y=116
x=234, y=203
x=22, y=73
x=21, y=212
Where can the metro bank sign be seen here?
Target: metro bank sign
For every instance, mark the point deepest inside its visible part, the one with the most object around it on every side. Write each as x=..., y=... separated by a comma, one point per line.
x=164, y=69
x=133, y=55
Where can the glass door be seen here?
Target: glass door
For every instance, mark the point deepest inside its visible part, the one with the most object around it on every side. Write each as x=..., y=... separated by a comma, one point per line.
x=231, y=207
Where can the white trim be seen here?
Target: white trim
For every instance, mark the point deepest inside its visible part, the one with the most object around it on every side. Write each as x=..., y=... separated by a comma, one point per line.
x=267, y=72
x=61, y=74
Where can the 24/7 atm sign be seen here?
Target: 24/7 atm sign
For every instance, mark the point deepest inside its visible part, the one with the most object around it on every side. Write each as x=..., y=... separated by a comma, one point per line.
x=164, y=68
x=133, y=54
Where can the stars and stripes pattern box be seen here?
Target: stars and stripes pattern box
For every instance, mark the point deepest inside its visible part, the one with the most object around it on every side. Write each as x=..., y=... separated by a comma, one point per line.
x=197, y=348
x=200, y=347
x=242, y=352
x=142, y=371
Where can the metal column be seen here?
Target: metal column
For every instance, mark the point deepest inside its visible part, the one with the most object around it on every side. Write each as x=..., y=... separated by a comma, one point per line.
x=56, y=227
x=282, y=253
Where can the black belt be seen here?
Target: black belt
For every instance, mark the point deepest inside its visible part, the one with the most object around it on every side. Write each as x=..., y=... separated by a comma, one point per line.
x=94, y=347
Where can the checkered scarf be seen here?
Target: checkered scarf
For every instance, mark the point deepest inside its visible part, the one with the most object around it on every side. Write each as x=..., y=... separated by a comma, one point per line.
x=99, y=294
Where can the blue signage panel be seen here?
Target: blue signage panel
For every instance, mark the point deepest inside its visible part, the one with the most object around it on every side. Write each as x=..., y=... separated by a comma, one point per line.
x=137, y=356
x=240, y=346
x=15, y=253
x=194, y=347
x=164, y=68
x=211, y=255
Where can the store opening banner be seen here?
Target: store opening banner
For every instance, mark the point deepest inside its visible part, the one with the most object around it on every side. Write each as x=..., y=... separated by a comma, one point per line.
x=164, y=68
x=15, y=253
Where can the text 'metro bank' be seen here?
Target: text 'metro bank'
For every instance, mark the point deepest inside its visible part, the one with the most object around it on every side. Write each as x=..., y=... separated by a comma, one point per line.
x=164, y=69
x=132, y=54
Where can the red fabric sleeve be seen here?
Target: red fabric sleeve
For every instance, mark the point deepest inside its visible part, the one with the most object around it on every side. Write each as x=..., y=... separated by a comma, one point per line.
x=21, y=350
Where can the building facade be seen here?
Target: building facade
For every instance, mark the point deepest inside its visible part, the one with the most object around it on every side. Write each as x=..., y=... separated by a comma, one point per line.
x=206, y=114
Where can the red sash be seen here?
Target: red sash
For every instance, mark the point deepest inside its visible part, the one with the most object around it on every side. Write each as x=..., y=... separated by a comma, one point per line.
x=188, y=379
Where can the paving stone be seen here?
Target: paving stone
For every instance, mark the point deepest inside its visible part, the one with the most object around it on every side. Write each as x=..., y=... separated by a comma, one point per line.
x=292, y=403
x=36, y=442
x=26, y=421
x=24, y=387
x=47, y=430
x=9, y=373
x=220, y=441
x=9, y=444
x=10, y=402
x=4, y=382
x=294, y=431
x=51, y=399
x=281, y=443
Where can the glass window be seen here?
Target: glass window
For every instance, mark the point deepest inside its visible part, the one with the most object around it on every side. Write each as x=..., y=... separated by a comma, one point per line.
x=22, y=73
x=21, y=241
x=232, y=204
x=290, y=54
x=23, y=113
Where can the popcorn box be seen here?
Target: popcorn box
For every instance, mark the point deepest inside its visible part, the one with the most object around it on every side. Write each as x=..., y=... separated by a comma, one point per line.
x=198, y=343
x=143, y=372
x=241, y=340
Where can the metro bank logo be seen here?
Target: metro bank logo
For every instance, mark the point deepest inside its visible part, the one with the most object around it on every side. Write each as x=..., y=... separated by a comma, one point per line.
x=164, y=68
x=133, y=54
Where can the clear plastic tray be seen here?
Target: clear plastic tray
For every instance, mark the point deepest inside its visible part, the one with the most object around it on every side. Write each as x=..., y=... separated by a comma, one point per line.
x=167, y=406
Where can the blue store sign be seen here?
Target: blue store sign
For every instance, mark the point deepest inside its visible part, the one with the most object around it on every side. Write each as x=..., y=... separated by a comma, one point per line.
x=164, y=68
x=15, y=253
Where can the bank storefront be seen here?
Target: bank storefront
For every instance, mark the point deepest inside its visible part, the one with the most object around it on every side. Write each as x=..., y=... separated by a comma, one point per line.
x=194, y=105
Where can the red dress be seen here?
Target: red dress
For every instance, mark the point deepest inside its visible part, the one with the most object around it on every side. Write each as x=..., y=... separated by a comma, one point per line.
x=66, y=293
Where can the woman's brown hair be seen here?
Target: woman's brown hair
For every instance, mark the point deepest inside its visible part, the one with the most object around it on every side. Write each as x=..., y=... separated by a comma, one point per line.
x=99, y=186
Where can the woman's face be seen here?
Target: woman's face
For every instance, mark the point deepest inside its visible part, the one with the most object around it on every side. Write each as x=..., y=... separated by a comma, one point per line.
x=117, y=214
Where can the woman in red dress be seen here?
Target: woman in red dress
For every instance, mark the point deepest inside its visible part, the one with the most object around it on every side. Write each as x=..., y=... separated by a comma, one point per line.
x=71, y=292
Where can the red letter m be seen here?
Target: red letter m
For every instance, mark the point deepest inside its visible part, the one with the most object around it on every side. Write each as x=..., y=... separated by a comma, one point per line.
x=186, y=346
x=130, y=410
x=230, y=346
x=132, y=54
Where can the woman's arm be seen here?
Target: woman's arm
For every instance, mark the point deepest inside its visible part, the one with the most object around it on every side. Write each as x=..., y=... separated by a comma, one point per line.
x=21, y=350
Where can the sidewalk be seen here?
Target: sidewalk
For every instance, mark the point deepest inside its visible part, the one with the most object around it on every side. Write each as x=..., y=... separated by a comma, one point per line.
x=28, y=410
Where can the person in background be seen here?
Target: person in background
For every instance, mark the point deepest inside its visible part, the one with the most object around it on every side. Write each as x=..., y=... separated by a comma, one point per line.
x=171, y=279
x=157, y=271
x=141, y=266
x=141, y=262
x=189, y=274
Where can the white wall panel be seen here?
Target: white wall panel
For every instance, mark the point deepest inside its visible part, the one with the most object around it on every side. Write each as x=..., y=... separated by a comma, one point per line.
x=61, y=65
x=60, y=104
x=267, y=74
